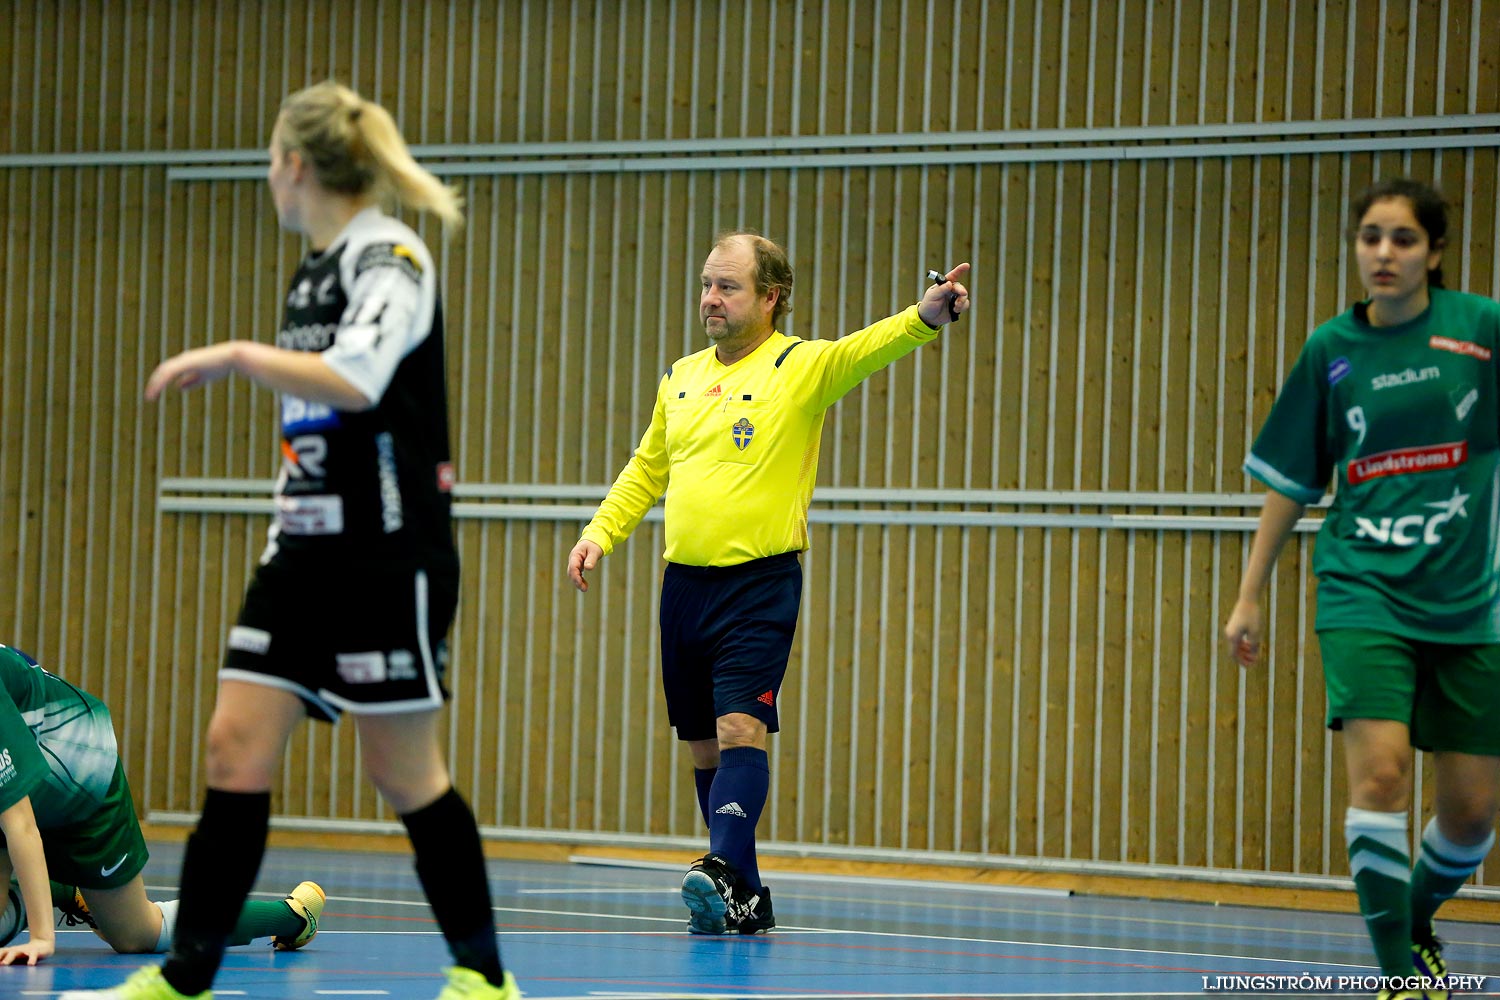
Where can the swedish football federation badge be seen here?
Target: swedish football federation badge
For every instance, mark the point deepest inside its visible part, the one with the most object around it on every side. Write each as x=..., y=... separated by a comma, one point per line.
x=743, y=430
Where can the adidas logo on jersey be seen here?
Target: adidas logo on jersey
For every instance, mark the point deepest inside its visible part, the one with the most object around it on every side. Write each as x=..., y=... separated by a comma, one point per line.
x=731, y=809
x=714, y=393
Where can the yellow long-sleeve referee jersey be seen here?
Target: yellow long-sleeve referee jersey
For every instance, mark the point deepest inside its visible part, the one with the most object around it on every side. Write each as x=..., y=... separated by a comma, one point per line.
x=735, y=447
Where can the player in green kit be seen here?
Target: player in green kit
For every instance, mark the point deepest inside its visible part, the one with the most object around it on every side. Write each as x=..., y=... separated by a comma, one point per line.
x=1395, y=402
x=66, y=811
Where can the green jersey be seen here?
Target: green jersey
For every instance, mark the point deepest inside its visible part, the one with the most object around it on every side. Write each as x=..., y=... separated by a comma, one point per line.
x=57, y=743
x=1403, y=420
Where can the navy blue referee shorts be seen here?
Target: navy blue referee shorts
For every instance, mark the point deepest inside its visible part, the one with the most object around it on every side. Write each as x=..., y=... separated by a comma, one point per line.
x=726, y=636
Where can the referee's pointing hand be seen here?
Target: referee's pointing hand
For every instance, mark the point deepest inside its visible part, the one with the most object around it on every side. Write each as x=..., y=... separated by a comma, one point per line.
x=942, y=302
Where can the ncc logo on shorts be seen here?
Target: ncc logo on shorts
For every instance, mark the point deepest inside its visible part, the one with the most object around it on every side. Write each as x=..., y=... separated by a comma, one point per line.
x=742, y=431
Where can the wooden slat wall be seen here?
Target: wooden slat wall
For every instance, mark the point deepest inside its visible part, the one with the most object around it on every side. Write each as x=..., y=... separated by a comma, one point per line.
x=1038, y=691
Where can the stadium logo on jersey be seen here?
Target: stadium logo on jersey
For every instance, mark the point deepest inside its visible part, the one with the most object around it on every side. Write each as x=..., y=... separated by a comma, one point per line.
x=1413, y=529
x=742, y=431
x=1411, y=375
x=1337, y=369
x=1460, y=347
x=1403, y=461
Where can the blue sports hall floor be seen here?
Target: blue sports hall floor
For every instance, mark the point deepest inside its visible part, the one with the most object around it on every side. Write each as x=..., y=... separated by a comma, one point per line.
x=605, y=932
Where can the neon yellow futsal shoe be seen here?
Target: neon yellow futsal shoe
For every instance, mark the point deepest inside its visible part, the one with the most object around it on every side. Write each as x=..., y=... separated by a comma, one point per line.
x=1427, y=954
x=466, y=984
x=146, y=984
x=307, y=902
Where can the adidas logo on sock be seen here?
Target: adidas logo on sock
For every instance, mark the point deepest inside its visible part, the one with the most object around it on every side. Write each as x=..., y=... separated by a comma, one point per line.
x=731, y=809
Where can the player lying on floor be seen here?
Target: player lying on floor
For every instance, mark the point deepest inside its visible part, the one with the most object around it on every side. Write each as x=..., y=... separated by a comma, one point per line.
x=66, y=814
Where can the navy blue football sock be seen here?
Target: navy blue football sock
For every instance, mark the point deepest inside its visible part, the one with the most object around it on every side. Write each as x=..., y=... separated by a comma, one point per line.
x=735, y=803
x=703, y=777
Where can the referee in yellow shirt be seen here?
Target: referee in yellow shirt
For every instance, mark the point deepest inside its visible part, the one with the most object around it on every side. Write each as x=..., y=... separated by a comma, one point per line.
x=734, y=434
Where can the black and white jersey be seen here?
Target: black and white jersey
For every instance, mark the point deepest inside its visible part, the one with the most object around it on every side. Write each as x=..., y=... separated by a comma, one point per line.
x=375, y=483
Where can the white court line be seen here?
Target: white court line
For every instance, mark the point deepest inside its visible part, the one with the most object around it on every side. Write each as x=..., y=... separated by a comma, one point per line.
x=172, y=892
x=1007, y=942
x=876, y=880
x=1120, y=918
x=854, y=933
x=597, y=892
x=594, y=914
x=422, y=903
x=1355, y=969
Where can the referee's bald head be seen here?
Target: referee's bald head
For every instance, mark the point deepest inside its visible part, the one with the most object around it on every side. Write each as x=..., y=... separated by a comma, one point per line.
x=773, y=269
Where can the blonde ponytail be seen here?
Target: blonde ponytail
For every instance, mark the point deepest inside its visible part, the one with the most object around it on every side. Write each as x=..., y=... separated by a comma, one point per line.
x=354, y=146
x=410, y=181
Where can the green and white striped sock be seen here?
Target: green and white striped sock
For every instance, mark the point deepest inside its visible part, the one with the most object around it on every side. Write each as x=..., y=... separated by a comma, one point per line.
x=1380, y=862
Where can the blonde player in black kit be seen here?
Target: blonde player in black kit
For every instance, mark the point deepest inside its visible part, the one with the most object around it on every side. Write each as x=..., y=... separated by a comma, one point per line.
x=354, y=596
x=733, y=442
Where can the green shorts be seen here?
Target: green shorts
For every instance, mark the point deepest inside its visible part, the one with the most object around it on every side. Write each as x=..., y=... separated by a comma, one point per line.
x=1449, y=694
x=106, y=849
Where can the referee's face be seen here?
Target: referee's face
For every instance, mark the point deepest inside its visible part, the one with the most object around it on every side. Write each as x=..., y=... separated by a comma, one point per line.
x=728, y=304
